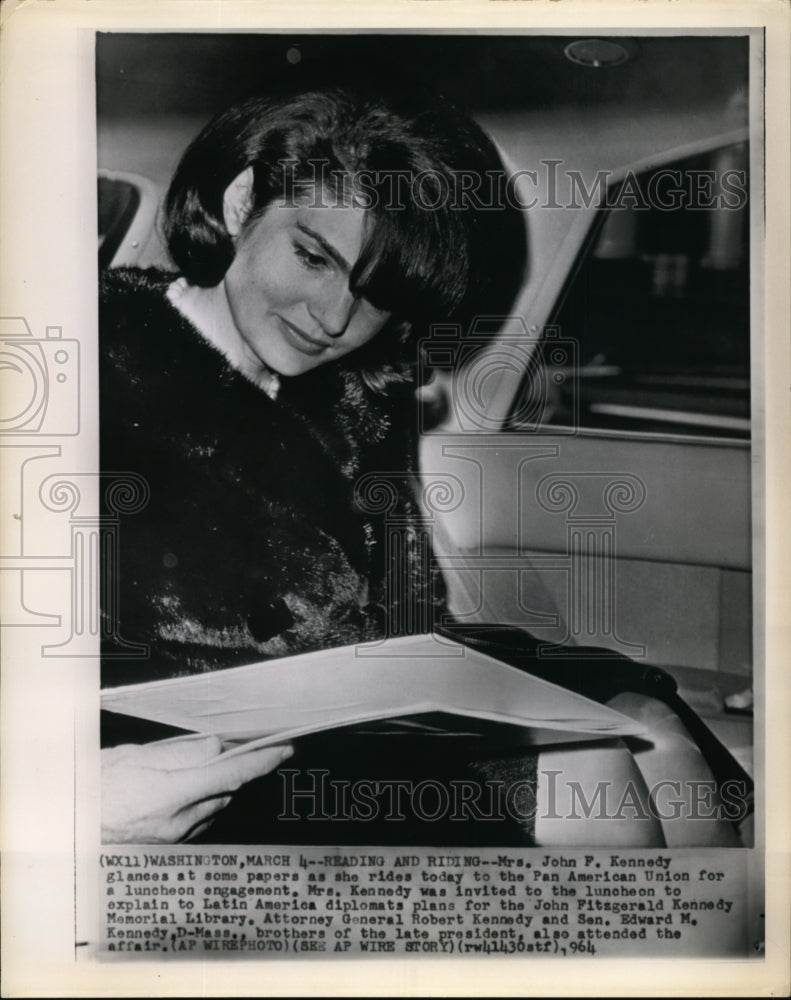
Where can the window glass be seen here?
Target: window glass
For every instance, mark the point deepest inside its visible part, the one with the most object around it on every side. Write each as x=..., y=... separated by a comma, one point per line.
x=657, y=308
x=118, y=202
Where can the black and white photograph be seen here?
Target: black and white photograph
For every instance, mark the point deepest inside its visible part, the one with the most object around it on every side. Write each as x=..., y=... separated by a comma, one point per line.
x=403, y=504
x=377, y=422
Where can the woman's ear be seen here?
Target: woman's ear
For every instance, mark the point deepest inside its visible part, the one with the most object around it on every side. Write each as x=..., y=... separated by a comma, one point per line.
x=237, y=201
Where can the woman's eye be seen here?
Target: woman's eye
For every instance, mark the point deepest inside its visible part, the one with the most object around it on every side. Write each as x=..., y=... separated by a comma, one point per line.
x=313, y=261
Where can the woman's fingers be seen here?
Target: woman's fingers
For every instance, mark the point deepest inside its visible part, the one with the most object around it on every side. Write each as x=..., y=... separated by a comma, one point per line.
x=222, y=775
x=195, y=819
x=191, y=751
x=159, y=792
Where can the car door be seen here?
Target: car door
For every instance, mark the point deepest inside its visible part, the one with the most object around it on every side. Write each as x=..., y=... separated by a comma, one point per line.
x=596, y=459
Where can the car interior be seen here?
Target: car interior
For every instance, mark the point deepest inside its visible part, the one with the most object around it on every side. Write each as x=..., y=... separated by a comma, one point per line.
x=599, y=442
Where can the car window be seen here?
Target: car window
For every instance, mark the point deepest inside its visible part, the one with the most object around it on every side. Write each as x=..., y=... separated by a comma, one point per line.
x=118, y=201
x=657, y=309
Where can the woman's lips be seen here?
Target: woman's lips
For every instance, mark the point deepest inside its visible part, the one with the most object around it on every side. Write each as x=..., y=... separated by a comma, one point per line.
x=300, y=340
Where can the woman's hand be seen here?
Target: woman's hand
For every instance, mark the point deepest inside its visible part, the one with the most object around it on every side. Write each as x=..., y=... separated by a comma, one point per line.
x=160, y=793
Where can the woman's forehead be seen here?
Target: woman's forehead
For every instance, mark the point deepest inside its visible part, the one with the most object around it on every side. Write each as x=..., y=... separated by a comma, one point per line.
x=337, y=191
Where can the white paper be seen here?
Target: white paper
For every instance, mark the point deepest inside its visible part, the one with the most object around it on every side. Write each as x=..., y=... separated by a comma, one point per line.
x=283, y=699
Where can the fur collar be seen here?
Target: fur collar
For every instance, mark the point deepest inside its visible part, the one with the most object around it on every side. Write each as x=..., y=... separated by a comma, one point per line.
x=332, y=402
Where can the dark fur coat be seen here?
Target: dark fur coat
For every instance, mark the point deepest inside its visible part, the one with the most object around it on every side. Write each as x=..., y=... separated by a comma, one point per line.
x=253, y=542
x=262, y=536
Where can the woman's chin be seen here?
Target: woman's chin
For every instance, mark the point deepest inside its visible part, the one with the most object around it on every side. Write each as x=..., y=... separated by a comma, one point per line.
x=291, y=367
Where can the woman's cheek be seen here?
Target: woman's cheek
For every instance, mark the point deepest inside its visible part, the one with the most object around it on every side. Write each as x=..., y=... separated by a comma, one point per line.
x=281, y=287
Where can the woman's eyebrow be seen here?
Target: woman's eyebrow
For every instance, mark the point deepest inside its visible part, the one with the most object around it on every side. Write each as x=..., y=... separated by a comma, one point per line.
x=327, y=247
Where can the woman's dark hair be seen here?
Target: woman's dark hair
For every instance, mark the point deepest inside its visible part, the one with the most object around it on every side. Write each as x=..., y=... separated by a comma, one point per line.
x=444, y=246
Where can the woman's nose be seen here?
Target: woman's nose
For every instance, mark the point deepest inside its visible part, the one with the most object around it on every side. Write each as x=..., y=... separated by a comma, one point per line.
x=332, y=310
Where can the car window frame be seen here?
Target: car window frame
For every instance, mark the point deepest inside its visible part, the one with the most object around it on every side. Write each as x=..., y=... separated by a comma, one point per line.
x=539, y=304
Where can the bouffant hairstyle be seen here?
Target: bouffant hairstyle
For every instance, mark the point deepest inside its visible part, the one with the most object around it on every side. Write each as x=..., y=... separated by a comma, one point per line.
x=441, y=247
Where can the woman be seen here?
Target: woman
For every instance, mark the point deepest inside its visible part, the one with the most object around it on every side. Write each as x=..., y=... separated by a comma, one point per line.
x=298, y=255
x=317, y=236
